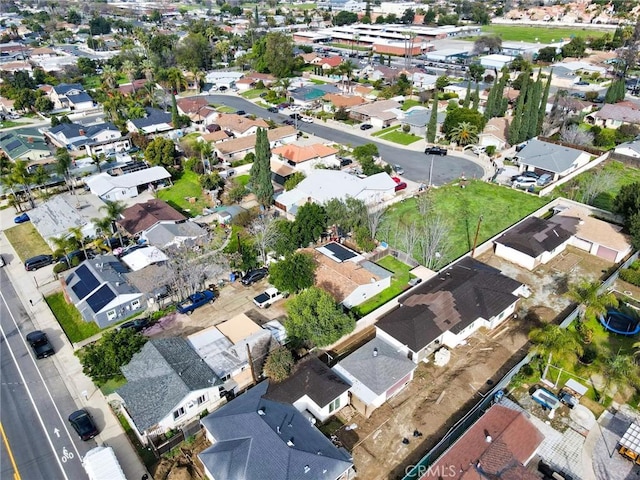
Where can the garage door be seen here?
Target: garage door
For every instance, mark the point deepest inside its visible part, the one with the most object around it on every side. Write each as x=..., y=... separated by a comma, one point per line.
x=398, y=386
x=607, y=253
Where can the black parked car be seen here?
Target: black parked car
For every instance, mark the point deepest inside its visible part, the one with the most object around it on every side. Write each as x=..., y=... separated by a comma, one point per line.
x=366, y=126
x=37, y=262
x=295, y=116
x=288, y=122
x=272, y=110
x=138, y=324
x=241, y=112
x=83, y=424
x=435, y=151
x=252, y=276
x=40, y=343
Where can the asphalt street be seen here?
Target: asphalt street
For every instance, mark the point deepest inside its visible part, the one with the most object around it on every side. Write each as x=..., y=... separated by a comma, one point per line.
x=37, y=441
x=418, y=167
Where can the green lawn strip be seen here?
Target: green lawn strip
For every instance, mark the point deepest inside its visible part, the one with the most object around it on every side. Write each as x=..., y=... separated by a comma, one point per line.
x=146, y=455
x=92, y=82
x=70, y=320
x=411, y=103
x=400, y=137
x=500, y=207
x=253, y=93
x=385, y=130
x=399, y=283
x=26, y=241
x=178, y=195
x=225, y=109
x=9, y=124
x=112, y=385
x=317, y=82
x=243, y=180
x=538, y=34
x=305, y=6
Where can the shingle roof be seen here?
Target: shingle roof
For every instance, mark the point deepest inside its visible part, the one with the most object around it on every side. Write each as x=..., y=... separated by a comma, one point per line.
x=251, y=446
x=312, y=378
x=534, y=236
x=80, y=98
x=64, y=88
x=159, y=377
x=548, y=156
x=620, y=113
x=142, y=216
x=452, y=300
x=514, y=439
x=245, y=143
x=164, y=233
x=154, y=117
x=239, y=123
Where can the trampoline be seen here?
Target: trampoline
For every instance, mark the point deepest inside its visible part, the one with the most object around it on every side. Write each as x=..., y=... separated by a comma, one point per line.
x=620, y=323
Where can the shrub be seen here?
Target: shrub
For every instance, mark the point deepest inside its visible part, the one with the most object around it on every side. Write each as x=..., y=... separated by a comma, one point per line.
x=490, y=150
x=589, y=356
x=279, y=364
x=406, y=128
x=60, y=267
x=631, y=275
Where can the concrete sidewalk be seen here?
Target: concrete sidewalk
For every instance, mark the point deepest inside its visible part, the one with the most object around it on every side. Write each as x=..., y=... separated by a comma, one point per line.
x=80, y=387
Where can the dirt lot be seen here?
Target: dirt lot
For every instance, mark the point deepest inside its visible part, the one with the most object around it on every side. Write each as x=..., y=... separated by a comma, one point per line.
x=438, y=397
x=234, y=298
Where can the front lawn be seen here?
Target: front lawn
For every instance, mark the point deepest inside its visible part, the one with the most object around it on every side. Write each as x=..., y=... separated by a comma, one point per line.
x=70, y=320
x=385, y=131
x=516, y=33
x=183, y=191
x=253, y=93
x=26, y=241
x=500, y=208
x=9, y=124
x=399, y=283
x=400, y=137
x=226, y=109
x=243, y=180
x=411, y=103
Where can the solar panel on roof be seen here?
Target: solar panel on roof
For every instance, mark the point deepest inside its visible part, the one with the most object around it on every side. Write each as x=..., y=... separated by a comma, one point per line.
x=339, y=251
x=100, y=298
x=14, y=144
x=87, y=283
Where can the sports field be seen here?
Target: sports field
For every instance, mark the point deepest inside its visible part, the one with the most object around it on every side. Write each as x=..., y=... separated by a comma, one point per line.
x=534, y=34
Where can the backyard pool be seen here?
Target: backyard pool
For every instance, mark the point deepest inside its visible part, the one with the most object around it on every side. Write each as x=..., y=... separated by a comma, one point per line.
x=620, y=323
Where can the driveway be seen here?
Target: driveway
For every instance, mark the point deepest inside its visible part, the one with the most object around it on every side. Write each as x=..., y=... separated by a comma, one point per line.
x=417, y=165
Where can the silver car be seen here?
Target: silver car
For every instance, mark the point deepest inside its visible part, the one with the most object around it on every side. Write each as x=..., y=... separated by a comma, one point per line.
x=398, y=169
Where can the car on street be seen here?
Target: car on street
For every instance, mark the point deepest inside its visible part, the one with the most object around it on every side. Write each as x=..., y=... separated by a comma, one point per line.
x=435, y=151
x=582, y=83
x=241, y=112
x=366, y=126
x=399, y=170
x=252, y=276
x=527, y=174
x=306, y=119
x=524, y=182
x=544, y=179
x=40, y=344
x=23, y=217
x=195, y=301
x=137, y=324
x=272, y=109
x=288, y=122
x=295, y=116
x=39, y=261
x=83, y=424
x=282, y=105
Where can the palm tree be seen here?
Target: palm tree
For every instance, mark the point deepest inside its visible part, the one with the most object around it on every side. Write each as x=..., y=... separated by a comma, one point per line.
x=22, y=176
x=464, y=133
x=222, y=48
x=148, y=69
x=63, y=164
x=620, y=370
x=554, y=340
x=78, y=237
x=97, y=160
x=176, y=79
x=113, y=212
x=285, y=83
x=40, y=177
x=109, y=76
x=198, y=77
x=592, y=303
x=9, y=182
x=103, y=226
x=346, y=70
x=130, y=70
x=65, y=244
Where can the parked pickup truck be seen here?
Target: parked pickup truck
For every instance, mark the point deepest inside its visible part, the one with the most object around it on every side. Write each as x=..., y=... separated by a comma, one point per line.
x=268, y=297
x=195, y=300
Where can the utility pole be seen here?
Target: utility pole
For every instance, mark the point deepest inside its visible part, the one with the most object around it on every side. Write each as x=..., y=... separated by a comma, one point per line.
x=475, y=240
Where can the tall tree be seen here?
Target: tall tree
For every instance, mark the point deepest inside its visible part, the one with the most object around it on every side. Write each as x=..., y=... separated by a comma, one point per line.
x=543, y=104
x=515, y=129
x=261, y=170
x=113, y=211
x=591, y=302
x=476, y=98
x=293, y=274
x=63, y=165
x=432, y=126
x=467, y=97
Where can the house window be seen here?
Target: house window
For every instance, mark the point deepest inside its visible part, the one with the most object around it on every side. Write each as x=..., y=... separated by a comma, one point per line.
x=135, y=304
x=111, y=314
x=178, y=413
x=501, y=315
x=334, y=405
x=202, y=399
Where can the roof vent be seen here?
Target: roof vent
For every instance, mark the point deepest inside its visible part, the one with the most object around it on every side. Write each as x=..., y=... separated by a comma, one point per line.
x=261, y=412
x=307, y=469
x=375, y=352
x=290, y=442
x=278, y=429
x=489, y=439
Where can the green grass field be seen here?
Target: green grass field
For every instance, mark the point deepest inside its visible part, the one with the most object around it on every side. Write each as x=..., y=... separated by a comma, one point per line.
x=253, y=93
x=545, y=34
x=26, y=241
x=500, y=208
x=9, y=124
x=70, y=320
x=384, y=131
x=183, y=189
x=398, y=136
x=411, y=103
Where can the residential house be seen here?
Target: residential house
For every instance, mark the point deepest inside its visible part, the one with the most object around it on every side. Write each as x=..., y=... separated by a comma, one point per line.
x=127, y=89
x=80, y=100
x=254, y=438
x=591, y=234
x=141, y=258
x=320, y=186
x=335, y=101
x=417, y=118
x=328, y=63
x=227, y=79
x=140, y=217
x=311, y=95
x=224, y=348
x=373, y=73
x=128, y=185
x=7, y=106
x=630, y=149
x=532, y=242
x=495, y=133
x=225, y=215
x=347, y=275
x=23, y=146
x=614, y=116
x=313, y=388
x=239, y=125
x=380, y=114
x=499, y=445
x=423, y=81
x=545, y=157
x=448, y=308
x=154, y=282
x=154, y=121
x=98, y=139
x=568, y=104
x=306, y=158
x=168, y=386
x=197, y=109
x=101, y=292
x=18, y=66
x=375, y=372
x=237, y=148
x=168, y=234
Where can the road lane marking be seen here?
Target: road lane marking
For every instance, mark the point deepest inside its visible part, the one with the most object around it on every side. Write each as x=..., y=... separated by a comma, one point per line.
x=16, y=472
x=44, y=384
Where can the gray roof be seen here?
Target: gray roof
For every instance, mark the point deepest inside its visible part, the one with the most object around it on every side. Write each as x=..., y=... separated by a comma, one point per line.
x=162, y=234
x=632, y=145
x=154, y=117
x=380, y=371
x=101, y=270
x=548, y=156
x=159, y=377
x=251, y=446
x=534, y=236
x=64, y=88
x=80, y=98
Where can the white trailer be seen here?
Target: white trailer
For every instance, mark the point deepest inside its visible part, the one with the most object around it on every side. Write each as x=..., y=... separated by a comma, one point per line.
x=101, y=463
